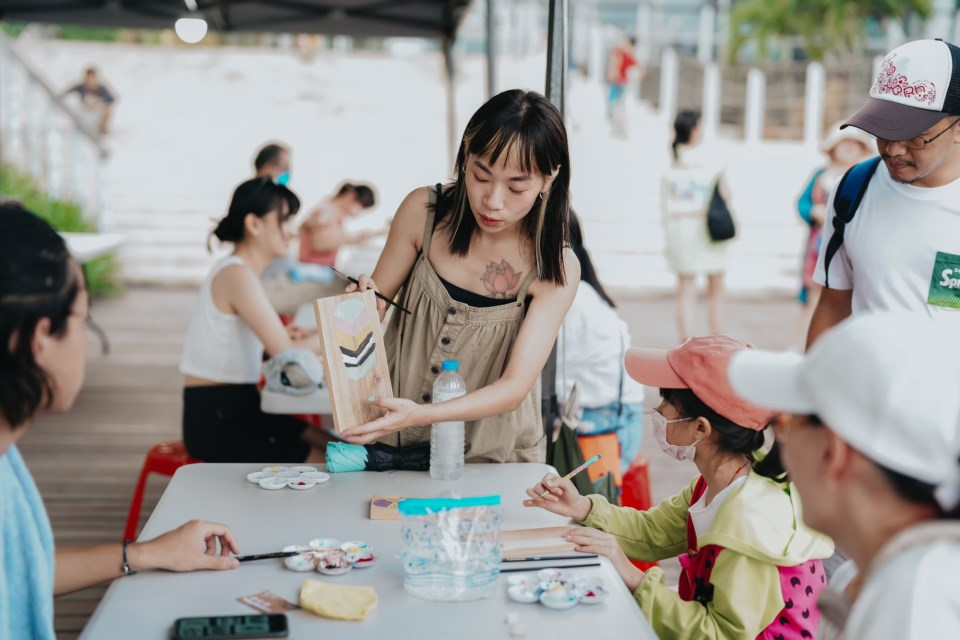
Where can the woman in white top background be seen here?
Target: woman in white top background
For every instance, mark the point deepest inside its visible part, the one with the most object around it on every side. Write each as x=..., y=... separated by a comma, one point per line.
x=232, y=325
x=686, y=189
x=591, y=346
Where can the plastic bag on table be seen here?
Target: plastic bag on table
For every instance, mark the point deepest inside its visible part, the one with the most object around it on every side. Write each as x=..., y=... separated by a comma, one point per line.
x=451, y=550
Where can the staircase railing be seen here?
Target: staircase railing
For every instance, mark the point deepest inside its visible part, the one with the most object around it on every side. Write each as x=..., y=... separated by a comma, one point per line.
x=41, y=136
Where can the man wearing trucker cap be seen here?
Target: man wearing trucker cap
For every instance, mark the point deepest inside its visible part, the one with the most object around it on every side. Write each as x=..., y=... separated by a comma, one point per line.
x=900, y=248
x=872, y=445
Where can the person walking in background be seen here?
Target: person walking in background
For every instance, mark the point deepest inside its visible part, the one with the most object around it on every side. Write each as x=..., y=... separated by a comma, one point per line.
x=843, y=148
x=900, y=249
x=323, y=231
x=619, y=63
x=95, y=97
x=591, y=346
x=686, y=190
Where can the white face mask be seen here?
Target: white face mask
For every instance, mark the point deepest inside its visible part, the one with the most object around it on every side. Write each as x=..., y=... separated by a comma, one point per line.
x=680, y=452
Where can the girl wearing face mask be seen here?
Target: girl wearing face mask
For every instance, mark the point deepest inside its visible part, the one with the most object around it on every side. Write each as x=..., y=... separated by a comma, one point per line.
x=750, y=569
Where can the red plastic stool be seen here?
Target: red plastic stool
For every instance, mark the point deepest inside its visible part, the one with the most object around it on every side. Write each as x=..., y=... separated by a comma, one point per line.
x=164, y=458
x=636, y=494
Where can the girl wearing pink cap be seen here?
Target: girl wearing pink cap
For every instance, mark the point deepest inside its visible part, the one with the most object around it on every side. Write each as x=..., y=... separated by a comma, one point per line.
x=750, y=567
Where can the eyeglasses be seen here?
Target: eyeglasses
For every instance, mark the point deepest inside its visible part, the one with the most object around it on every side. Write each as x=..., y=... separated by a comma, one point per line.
x=918, y=143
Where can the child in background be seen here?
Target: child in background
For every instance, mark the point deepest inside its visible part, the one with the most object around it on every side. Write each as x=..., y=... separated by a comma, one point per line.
x=750, y=567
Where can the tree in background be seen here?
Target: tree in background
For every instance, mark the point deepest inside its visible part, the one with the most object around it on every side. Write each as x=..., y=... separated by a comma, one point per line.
x=823, y=27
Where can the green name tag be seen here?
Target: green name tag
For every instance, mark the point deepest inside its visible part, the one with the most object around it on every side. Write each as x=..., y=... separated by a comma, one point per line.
x=945, y=283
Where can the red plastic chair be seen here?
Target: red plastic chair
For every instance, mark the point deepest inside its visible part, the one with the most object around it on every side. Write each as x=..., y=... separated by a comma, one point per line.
x=164, y=458
x=636, y=494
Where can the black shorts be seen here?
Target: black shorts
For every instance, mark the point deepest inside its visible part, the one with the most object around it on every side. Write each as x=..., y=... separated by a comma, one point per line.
x=225, y=424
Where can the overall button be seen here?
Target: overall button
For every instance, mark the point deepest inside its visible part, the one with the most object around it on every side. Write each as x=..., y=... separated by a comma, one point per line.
x=451, y=311
x=444, y=341
x=434, y=370
x=426, y=397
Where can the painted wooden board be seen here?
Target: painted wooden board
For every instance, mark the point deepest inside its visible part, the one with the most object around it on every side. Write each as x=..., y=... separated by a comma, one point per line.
x=520, y=543
x=354, y=358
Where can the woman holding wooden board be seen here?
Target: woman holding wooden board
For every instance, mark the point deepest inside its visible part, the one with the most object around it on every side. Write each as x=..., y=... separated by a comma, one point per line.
x=483, y=264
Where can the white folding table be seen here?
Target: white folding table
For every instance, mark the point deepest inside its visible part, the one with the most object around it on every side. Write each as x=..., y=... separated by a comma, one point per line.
x=145, y=605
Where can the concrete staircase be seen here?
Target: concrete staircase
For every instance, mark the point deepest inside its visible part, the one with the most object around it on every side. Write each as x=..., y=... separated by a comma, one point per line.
x=189, y=120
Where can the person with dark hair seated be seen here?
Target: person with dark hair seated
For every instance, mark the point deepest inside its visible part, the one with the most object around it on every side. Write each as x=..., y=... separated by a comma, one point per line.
x=232, y=325
x=43, y=308
x=273, y=161
x=323, y=233
x=871, y=437
x=750, y=567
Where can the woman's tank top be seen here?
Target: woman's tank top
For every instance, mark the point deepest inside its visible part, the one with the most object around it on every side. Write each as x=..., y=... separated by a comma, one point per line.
x=481, y=339
x=220, y=346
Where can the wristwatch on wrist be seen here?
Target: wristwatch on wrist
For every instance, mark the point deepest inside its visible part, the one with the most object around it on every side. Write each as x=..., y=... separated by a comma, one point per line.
x=125, y=567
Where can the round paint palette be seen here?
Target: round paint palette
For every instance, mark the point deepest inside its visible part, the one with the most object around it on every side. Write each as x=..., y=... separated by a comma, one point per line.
x=273, y=483
x=330, y=557
x=556, y=589
x=299, y=478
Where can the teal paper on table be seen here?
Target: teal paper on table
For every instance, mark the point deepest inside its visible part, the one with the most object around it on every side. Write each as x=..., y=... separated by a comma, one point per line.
x=426, y=506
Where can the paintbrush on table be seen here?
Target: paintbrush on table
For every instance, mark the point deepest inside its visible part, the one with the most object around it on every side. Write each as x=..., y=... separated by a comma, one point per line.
x=267, y=556
x=376, y=293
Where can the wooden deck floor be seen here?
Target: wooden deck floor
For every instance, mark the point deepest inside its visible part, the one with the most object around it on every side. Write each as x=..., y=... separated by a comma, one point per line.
x=87, y=461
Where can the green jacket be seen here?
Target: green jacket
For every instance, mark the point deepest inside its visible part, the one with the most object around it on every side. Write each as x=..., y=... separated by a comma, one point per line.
x=760, y=528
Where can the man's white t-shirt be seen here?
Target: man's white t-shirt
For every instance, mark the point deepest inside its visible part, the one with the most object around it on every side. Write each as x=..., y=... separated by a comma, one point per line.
x=912, y=596
x=901, y=251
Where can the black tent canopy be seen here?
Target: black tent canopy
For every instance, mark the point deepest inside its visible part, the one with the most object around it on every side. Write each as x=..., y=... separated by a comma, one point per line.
x=414, y=18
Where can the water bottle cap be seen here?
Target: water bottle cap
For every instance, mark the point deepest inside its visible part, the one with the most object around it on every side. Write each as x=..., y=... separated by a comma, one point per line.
x=450, y=365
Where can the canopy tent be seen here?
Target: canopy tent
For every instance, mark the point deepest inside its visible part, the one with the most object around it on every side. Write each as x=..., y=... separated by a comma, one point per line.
x=414, y=18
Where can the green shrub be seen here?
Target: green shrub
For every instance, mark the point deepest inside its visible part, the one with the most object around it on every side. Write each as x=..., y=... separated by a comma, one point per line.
x=63, y=216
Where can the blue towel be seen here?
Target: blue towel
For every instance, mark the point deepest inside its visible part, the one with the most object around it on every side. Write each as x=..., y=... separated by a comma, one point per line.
x=26, y=561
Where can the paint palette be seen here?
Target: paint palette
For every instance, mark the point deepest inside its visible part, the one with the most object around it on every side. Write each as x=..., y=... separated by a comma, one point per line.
x=557, y=589
x=298, y=478
x=330, y=557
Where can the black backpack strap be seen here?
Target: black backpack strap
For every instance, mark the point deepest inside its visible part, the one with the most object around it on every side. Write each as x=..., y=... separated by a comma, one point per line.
x=845, y=204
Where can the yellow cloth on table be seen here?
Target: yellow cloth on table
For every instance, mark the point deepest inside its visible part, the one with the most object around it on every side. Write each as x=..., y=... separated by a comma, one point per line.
x=340, y=602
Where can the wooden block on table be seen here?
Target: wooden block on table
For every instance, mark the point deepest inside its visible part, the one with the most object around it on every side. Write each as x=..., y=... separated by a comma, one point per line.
x=354, y=358
x=520, y=543
x=384, y=507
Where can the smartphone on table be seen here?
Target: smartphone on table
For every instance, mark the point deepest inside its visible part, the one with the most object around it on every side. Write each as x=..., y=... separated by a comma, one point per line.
x=231, y=627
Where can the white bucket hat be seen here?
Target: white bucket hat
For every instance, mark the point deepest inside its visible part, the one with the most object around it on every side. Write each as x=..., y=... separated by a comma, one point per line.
x=887, y=383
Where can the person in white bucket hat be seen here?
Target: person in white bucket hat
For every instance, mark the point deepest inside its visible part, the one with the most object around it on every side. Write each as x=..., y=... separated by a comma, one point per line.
x=871, y=440
x=891, y=240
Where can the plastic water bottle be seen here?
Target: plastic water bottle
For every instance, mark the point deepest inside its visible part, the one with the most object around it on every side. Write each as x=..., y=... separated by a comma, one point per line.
x=446, y=438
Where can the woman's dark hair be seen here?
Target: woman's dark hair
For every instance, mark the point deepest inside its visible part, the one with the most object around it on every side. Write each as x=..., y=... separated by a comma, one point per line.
x=259, y=197
x=732, y=437
x=38, y=280
x=683, y=126
x=909, y=489
x=588, y=272
x=364, y=194
x=528, y=129
x=269, y=154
